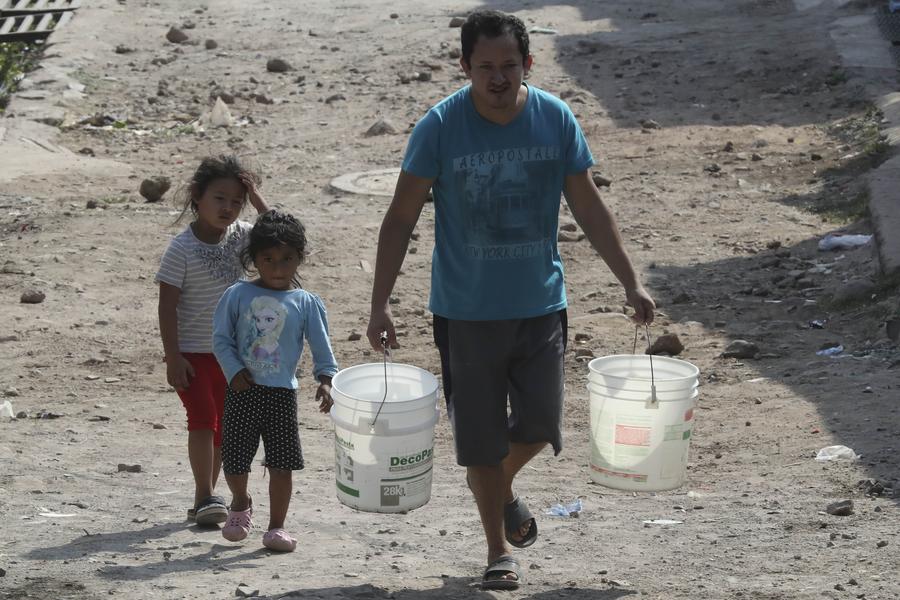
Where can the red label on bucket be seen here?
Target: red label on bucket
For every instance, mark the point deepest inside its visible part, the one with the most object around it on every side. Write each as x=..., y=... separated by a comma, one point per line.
x=632, y=436
x=688, y=414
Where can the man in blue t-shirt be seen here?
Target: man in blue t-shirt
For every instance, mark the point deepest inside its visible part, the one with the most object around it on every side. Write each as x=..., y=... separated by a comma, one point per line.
x=497, y=155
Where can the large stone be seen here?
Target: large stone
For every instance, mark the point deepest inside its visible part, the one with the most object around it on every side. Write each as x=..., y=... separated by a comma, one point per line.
x=154, y=188
x=844, y=508
x=741, y=349
x=176, y=36
x=381, y=127
x=278, y=65
x=569, y=236
x=600, y=180
x=32, y=297
x=892, y=328
x=856, y=290
x=666, y=344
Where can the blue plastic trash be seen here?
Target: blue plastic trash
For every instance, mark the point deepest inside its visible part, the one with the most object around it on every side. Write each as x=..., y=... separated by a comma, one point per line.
x=558, y=510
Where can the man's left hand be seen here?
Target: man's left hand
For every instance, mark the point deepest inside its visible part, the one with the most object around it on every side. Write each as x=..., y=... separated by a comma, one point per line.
x=643, y=305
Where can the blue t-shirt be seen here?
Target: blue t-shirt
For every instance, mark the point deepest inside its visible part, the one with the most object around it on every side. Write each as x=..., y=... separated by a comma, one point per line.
x=496, y=193
x=262, y=330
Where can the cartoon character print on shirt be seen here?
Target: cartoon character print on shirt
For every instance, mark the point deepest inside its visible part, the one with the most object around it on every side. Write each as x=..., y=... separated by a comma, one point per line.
x=266, y=319
x=503, y=202
x=221, y=260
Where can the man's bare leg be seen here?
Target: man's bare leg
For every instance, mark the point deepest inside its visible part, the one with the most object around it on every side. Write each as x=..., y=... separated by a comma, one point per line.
x=519, y=456
x=487, y=485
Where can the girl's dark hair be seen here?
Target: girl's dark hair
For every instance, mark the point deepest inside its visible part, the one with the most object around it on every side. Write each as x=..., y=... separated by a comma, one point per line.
x=211, y=168
x=272, y=229
x=492, y=24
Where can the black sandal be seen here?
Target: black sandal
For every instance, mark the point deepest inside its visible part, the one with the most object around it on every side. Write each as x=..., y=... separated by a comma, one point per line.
x=492, y=579
x=211, y=511
x=515, y=516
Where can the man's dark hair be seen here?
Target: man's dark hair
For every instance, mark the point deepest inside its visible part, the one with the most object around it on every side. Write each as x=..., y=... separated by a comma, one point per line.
x=492, y=24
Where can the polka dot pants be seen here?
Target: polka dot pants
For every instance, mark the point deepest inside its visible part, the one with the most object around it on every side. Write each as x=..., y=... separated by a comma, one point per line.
x=263, y=412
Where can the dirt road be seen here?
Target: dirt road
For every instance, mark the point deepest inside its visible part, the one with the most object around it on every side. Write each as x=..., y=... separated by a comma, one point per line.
x=734, y=141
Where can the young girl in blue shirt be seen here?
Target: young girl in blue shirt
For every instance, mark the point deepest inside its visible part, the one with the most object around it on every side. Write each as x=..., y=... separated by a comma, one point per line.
x=259, y=330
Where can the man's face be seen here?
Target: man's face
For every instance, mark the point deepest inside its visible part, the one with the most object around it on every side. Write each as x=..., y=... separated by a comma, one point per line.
x=497, y=70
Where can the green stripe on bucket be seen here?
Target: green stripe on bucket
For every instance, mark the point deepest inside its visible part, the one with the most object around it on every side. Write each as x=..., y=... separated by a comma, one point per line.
x=687, y=435
x=412, y=477
x=347, y=490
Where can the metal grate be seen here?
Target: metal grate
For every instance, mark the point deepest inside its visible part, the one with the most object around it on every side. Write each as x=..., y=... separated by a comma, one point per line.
x=24, y=7
x=31, y=27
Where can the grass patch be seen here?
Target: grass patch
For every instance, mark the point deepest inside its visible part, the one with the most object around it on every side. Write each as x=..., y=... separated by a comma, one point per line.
x=837, y=76
x=841, y=209
x=88, y=80
x=16, y=59
x=863, y=132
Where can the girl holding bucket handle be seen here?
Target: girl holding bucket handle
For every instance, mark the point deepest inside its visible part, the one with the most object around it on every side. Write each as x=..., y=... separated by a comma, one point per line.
x=258, y=333
x=497, y=154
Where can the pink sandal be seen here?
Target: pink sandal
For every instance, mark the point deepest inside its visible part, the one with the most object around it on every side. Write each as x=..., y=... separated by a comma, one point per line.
x=238, y=524
x=278, y=539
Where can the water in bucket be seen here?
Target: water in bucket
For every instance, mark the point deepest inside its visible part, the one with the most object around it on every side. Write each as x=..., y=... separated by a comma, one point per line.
x=384, y=450
x=637, y=442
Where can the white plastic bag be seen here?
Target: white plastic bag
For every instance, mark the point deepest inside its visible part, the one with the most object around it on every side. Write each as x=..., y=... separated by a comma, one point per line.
x=219, y=116
x=6, y=410
x=843, y=242
x=831, y=453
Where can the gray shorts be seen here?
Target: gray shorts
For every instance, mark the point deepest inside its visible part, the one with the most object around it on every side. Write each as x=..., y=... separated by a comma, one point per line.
x=503, y=381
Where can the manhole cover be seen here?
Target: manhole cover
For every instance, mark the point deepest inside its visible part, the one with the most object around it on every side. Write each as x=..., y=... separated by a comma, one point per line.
x=368, y=183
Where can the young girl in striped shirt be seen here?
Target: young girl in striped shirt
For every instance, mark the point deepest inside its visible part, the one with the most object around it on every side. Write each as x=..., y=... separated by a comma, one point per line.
x=198, y=266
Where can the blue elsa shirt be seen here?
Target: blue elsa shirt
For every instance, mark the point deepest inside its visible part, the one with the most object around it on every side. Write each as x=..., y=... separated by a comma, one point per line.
x=263, y=331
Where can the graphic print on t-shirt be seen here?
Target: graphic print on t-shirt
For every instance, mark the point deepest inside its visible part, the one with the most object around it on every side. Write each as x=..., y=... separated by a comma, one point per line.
x=266, y=317
x=220, y=260
x=504, y=202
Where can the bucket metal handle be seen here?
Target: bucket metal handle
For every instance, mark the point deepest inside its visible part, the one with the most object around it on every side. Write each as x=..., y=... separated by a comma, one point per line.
x=653, y=399
x=387, y=354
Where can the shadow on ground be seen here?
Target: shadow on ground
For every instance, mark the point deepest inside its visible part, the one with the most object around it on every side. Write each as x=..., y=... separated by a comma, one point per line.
x=701, y=62
x=453, y=588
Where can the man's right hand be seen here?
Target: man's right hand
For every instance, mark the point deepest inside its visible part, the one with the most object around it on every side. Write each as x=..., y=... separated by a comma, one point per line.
x=381, y=321
x=179, y=372
x=242, y=382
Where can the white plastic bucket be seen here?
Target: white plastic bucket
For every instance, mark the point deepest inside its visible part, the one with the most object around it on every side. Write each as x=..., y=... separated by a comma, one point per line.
x=638, y=444
x=384, y=464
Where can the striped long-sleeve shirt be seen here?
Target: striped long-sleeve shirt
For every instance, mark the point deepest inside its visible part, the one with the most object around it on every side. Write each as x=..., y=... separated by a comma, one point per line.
x=202, y=272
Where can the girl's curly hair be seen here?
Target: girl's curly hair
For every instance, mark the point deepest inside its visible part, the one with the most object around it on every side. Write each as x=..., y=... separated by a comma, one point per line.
x=272, y=229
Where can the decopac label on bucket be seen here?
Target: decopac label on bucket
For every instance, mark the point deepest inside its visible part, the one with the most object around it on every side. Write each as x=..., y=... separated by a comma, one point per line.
x=404, y=483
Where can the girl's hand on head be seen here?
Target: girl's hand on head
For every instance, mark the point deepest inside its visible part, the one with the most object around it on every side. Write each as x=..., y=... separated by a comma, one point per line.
x=242, y=382
x=179, y=372
x=323, y=395
x=253, y=194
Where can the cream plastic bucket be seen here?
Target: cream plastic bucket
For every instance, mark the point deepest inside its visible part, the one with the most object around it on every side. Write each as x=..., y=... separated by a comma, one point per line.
x=639, y=444
x=384, y=464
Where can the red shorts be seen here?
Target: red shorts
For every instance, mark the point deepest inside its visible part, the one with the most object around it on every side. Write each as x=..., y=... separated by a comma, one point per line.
x=204, y=400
